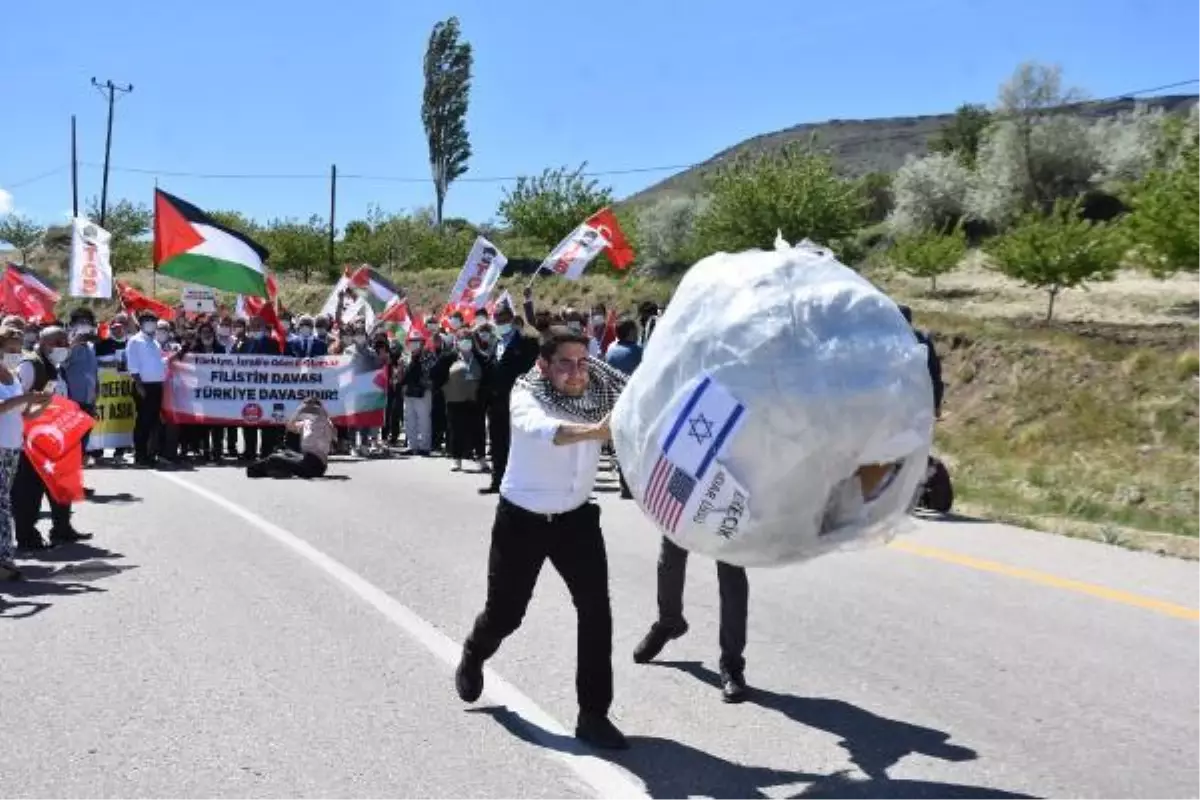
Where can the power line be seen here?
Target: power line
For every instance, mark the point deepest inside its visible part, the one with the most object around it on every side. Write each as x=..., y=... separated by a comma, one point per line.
x=315, y=176
x=39, y=177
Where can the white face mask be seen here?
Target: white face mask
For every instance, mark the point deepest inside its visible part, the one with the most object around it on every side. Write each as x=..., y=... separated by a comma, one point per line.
x=224, y=333
x=84, y=330
x=162, y=336
x=12, y=360
x=58, y=355
x=455, y=323
x=305, y=332
x=464, y=345
x=503, y=329
x=149, y=327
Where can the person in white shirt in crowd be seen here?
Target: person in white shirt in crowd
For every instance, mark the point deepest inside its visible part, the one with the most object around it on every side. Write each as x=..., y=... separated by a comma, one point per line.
x=597, y=323
x=40, y=371
x=147, y=366
x=560, y=418
x=16, y=405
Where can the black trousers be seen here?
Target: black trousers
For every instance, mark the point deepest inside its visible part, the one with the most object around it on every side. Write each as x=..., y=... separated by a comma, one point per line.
x=735, y=598
x=284, y=463
x=437, y=421
x=500, y=431
x=90, y=410
x=464, y=429
x=521, y=542
x=26, y=499
x=393, y=418
x=271, y=437
x=147, y=428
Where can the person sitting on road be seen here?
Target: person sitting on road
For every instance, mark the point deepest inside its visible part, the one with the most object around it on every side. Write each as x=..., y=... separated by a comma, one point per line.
x=311, y=422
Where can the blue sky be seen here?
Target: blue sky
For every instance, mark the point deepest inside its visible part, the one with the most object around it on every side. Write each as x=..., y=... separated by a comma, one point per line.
x=266, y=86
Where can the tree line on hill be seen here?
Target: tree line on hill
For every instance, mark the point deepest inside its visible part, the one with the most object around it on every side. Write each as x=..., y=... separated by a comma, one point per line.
x=1055, y=200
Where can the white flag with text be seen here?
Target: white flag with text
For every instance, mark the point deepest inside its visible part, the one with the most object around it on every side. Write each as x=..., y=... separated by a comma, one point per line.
x=91, y=260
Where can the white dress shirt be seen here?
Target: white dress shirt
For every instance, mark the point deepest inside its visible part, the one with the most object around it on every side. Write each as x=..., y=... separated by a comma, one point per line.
x=144, y=358
x=542, y=476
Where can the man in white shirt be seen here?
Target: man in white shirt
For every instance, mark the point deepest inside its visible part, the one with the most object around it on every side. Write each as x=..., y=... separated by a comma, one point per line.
x=560, y=415
x=147, y=366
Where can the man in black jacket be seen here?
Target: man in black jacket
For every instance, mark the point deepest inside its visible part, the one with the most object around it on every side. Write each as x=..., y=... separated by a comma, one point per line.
x=516, y=354
x=259, y=343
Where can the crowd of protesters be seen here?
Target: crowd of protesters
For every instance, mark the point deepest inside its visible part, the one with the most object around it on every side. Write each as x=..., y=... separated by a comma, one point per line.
x=449, y=384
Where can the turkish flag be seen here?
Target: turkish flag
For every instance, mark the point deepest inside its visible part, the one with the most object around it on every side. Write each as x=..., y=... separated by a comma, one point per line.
x=610, y=331
x=54, y=445
x=134, y=301
x=619, y=251
x=23, y=294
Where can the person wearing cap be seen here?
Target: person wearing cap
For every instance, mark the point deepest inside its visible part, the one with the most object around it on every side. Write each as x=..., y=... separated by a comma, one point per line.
x=304, y=344
x=38, y=372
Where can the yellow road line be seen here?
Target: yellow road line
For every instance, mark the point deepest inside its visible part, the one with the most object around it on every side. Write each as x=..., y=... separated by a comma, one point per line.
x=1046, y=579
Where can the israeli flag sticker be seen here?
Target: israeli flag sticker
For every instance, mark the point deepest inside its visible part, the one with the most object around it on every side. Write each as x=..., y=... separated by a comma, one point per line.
x=706, y=419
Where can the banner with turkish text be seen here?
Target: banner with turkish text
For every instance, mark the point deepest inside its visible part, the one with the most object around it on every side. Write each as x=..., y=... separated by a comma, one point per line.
x=115, y=411
x=264, y=390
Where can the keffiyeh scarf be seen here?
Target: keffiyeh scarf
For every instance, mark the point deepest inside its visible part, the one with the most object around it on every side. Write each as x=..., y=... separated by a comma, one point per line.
x=604, y=387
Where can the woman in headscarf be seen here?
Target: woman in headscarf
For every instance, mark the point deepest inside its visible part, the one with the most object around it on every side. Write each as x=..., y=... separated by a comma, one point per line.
x=464, y=417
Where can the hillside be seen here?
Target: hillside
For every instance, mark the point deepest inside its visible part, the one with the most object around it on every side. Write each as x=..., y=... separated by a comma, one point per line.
x=872, y=145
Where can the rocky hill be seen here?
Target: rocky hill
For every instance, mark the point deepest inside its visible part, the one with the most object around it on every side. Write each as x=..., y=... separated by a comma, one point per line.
x=875, y=145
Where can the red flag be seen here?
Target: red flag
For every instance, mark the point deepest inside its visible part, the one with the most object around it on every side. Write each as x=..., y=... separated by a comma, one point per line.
x=619, y=251
x=134, y=301
x=610, y=330
x=54, y=445
x=23, y=293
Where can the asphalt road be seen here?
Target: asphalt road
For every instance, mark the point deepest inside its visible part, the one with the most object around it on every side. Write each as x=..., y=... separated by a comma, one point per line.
x=233, y=638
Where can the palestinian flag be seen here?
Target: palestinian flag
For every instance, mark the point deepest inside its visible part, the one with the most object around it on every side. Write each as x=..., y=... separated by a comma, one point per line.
x=193, y=247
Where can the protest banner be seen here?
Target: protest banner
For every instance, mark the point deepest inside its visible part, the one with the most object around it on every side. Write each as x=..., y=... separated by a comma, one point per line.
x=91, y=265
x=261, y=391
x=479, y=274
x=199, y=300
x=115, y=411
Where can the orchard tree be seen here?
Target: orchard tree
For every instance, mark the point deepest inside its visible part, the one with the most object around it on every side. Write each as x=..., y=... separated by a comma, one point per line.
x=666, y=231
x=547, y=207
x=961, y=136
x=794, y=191
x=928, y=253
x=20, y=232
x=296, y=245
x=1057, y=251
x=1163, y=228
x=444, y=107
x=930, y=194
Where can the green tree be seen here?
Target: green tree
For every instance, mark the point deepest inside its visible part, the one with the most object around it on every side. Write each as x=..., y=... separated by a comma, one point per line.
x=794, y=191
x=1163, y=228
x=295, y=245
x=236, y=221
x=1057, y=251
x=444, y=107
x=129, y=225
x=928, y=253
x=547, y=207
x=20, y=232
x=878, y=201
x=961, y=136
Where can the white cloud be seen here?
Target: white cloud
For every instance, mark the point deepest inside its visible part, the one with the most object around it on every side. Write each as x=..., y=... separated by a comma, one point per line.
x=6, y=204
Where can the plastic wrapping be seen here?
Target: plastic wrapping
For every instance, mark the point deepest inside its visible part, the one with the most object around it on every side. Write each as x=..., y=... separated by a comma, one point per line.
x=771, y=380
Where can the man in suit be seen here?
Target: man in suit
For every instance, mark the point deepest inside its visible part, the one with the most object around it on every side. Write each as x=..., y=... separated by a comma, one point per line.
x=304, y=344
x=258, y=343
x=516, y=354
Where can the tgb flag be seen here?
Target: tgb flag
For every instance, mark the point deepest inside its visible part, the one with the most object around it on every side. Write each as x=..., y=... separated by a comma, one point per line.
x=599, y=233
x=54, y=446
x=479, y=274
x=91, y=264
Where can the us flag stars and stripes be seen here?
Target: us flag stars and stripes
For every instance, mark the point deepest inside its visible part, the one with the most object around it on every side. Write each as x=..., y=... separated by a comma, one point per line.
x=667, y=492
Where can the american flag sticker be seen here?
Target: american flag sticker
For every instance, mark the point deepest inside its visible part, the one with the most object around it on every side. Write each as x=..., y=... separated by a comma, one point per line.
x=667, y=493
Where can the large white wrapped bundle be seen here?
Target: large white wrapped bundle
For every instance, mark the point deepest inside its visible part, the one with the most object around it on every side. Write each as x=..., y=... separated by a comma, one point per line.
x=771, y=381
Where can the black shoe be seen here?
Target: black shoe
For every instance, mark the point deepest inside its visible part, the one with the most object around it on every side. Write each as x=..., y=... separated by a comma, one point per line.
x=733, y=686
x=34, y=546
x=490, y=490
x=468, y=678
x=598, y=731
x=68, y=536
x=9, y=571
x=656, y=640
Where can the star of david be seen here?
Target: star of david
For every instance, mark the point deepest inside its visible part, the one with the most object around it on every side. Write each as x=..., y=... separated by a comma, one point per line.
x=700, y=428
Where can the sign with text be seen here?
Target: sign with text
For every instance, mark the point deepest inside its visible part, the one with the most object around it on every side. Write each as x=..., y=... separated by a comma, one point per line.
x=199, y=300
x=115, y=411
x=258, y=391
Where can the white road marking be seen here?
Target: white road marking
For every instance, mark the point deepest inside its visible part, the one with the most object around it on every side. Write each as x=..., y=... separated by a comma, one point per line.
x=605, y=778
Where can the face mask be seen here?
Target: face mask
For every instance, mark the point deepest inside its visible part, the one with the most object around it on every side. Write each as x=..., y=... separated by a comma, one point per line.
x=58, y=355
x=455, y=323
x=464, y=345
x=12, y=360
x=503, y=329
x=224, y=333
x=305, y=332
x=322, y=333
x=149, y=327
x=162, y=336
x=84, y=330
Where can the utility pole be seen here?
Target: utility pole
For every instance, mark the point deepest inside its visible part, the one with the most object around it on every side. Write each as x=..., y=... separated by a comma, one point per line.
x=109, y=90
x=74, y=172
x=332, y=212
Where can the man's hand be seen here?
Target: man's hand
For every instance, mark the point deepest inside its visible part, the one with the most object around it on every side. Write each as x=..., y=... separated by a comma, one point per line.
x=604, y=429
